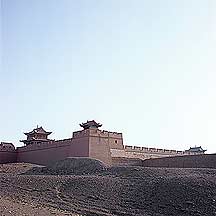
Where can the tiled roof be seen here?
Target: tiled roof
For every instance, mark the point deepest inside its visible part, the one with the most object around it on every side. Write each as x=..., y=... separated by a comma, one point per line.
x=38, y=130
x=91, y=123
x=196, y=149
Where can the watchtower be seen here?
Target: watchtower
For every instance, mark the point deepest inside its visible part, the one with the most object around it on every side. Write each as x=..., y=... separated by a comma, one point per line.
x=90, y=124
x=35, y=136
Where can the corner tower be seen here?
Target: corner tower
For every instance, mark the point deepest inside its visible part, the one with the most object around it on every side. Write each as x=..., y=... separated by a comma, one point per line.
x=100, y=142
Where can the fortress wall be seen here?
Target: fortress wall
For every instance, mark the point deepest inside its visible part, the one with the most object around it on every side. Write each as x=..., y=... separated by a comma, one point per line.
x=80, y=134
x=99, y=149
x=136, y=154
x=187, y=161
x=101, y=142
x=43, y=156
x=44, y=145
x=79, y=147
x=44, y=153
x=144, y=152
x=115, y=139
x=116, y=142
x=48, y=152
x=163, y=152
x=7, y=153
x=126, y=161
x=8, y=157
x=118, y=153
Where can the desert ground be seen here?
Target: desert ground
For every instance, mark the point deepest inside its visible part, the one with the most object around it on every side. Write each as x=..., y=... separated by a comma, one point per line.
x=73, y=187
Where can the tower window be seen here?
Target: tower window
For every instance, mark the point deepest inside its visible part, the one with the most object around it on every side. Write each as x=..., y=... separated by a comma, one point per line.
x=116, y=141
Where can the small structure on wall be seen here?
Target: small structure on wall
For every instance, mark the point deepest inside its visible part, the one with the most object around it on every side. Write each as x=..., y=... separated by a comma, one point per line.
x=90, y=124
x=8, y=153
x=5, y=146
x=35, y=136
x=196, y=150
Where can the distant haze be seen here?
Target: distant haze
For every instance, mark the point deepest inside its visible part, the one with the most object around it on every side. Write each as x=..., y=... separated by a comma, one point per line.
x=144, y=68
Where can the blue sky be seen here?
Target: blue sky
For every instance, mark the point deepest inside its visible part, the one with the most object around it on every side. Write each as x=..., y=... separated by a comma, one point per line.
x=144, y=68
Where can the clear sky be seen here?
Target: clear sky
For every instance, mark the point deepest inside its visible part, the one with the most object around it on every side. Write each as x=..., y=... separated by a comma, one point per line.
x=144, y=68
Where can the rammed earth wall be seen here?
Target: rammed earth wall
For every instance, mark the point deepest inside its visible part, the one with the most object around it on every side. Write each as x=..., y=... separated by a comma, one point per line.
x=189, y=161
x=8, y=157
x=46, y=153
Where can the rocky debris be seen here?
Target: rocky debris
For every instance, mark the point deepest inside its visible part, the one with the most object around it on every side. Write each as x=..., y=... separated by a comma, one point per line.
x=119, y=190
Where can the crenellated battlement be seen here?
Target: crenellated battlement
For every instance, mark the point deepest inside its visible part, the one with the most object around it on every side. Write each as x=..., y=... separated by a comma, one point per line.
x=146, y=149
x=97, y=132
x=156, y=150
x=45, y=145
x=110, y=134
x=79, y=134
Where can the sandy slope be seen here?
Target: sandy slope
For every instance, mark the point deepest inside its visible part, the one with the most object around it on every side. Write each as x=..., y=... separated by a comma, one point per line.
x=14, y=207
x=114, y=191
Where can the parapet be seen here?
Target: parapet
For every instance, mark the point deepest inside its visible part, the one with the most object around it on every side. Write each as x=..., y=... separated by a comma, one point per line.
x=107, y=134
x=112, y=134
x=45, y=145
x=97, y=132
x=126, y=147
x=152, y=150
x=82, y=133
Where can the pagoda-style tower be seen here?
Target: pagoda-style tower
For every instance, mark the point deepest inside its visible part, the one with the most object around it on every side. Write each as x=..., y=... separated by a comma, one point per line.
x=37, y=135
x=90, y=124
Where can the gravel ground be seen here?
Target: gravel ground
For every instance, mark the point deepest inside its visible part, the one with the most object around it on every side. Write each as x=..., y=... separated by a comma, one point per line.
x=106, y=190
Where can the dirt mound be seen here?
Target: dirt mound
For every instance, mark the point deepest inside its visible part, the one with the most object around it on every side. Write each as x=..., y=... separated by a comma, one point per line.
x=119, y=190
x=16, y=168
x=70, y=166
